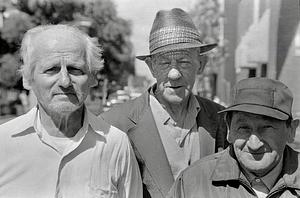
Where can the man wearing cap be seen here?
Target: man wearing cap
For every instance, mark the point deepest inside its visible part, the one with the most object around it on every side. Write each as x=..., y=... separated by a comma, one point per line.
x=258, y=162
x=168, y=126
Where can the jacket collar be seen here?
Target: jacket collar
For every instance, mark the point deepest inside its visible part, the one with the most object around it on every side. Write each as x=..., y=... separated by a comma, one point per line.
x=227, y=168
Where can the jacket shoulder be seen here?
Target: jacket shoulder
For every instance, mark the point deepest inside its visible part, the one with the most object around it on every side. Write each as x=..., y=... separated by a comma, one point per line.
x=121, y=115
x=209, y=105
x=203, y=166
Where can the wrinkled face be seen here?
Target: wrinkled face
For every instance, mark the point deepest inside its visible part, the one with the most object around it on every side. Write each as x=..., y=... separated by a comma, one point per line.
x=258, y=141
x=175, y=73
x=60, y=78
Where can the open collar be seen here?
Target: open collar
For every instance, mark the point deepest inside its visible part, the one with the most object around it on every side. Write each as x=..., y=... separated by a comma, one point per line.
x=27, y=120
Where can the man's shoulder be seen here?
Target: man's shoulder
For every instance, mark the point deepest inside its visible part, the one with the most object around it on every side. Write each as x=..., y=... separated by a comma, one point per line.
x=120, y=114
x=209, y=105
x=128, y=106
x=17, y=124
x=203, y=168
x=104, y=128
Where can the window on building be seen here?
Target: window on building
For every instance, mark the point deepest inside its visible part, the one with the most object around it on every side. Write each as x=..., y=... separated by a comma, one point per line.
x=297, y=43
x=263, y=70
x=252, y=73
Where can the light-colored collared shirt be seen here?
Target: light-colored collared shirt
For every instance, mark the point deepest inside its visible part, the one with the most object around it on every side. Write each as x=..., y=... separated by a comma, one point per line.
x=97, y=162
x=181, y=143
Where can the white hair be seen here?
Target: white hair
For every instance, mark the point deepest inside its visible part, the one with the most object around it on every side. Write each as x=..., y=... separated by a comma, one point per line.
x=93, y=50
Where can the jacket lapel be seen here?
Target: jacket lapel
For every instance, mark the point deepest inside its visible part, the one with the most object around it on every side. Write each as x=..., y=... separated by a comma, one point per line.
x=146, y=140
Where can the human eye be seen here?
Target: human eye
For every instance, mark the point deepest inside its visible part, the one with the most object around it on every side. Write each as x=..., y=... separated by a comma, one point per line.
x=75, y=71
x=243, y=128
x=268, y=126
x=185, y=63
x=52, y=70
x=164, y=64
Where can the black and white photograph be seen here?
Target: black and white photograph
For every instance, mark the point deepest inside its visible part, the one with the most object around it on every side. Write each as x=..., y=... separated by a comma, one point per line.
x=149, y=98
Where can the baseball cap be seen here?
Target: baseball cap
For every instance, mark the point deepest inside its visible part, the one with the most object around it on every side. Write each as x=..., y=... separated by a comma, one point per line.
x=262, y=96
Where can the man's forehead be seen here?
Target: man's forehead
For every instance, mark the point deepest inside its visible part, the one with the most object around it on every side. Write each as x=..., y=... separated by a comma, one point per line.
x=58, y=40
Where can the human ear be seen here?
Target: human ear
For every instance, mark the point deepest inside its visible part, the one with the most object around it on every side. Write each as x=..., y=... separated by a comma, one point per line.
x=230, y=136
x=203, y=62
x=26, y=83
x=292, y=130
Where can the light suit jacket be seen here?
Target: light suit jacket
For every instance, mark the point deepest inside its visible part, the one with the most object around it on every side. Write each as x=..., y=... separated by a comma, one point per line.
x=136, y=119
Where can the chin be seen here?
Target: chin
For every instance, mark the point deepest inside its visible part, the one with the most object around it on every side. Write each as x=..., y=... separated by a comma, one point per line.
x=173, y=99
x=259, y=167
x=64, y=108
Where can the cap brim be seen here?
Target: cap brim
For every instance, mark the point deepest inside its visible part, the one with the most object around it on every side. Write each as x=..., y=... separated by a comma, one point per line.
x=203, y=48
x=258, y=109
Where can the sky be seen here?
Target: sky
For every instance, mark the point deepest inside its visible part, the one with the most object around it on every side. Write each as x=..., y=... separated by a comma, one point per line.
x=141, y=14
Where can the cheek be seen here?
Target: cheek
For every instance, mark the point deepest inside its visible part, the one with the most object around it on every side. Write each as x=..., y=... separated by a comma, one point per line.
x=277, y=143
x=82, y=85
x=161, y=76
x=239, y=143
x=190, y=76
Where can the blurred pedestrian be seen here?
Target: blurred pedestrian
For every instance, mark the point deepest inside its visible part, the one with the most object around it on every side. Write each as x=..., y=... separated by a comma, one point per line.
x=258, y=162
x=59, y=148
x=169, y=127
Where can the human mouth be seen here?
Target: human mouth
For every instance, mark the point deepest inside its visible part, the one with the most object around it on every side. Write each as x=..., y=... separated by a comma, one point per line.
x=175, y=87
x=65, y=94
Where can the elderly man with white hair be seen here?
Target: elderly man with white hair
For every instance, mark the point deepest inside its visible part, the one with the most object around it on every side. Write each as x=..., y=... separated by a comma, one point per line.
x=59, y=148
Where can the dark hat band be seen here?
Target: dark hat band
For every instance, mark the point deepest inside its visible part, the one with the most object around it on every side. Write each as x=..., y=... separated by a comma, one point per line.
x=173, y=35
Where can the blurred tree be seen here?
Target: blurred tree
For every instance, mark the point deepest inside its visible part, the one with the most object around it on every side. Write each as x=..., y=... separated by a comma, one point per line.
x=208, y=16
x=8, y=70
x=98, y=18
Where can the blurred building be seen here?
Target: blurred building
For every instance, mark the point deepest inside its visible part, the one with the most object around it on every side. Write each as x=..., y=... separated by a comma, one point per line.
x=263, y=40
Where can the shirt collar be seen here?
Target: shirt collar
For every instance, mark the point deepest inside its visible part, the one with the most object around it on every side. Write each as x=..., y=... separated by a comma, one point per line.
x=28, y=120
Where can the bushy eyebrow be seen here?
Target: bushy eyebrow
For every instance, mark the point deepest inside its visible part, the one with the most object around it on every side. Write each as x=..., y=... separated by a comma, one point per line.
x=76, y=63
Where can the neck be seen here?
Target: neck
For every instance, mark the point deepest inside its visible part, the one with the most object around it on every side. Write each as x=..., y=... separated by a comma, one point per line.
x=177, y=111
x=62, y=125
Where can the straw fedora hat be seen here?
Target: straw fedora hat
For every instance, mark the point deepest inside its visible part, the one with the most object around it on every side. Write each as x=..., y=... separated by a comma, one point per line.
x=172, y=30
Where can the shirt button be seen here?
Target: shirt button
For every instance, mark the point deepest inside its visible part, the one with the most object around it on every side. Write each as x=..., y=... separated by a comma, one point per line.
x=257, y=180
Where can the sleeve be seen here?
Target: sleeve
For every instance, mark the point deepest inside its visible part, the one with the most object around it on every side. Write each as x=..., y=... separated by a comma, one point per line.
x=177, y=190
x=130, y=183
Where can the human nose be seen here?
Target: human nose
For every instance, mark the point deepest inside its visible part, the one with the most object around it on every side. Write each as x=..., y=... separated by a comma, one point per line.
x=174, y=74
x=254, y=143
x=64, y=79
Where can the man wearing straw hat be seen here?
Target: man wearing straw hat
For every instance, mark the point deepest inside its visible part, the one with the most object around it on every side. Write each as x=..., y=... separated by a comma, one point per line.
x=168, y=126
x=258, y=163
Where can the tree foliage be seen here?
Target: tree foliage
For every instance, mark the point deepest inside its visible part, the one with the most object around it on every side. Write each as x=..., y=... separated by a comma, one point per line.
x=98, y=18
x=208, y=15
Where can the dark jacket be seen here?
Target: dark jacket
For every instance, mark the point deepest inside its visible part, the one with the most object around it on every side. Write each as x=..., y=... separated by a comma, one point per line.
x=136, y=119
x=219, y=175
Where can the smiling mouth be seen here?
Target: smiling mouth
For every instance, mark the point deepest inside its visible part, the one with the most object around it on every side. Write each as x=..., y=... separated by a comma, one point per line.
x=175, y=87
x=257, y=153
x=64, y=94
